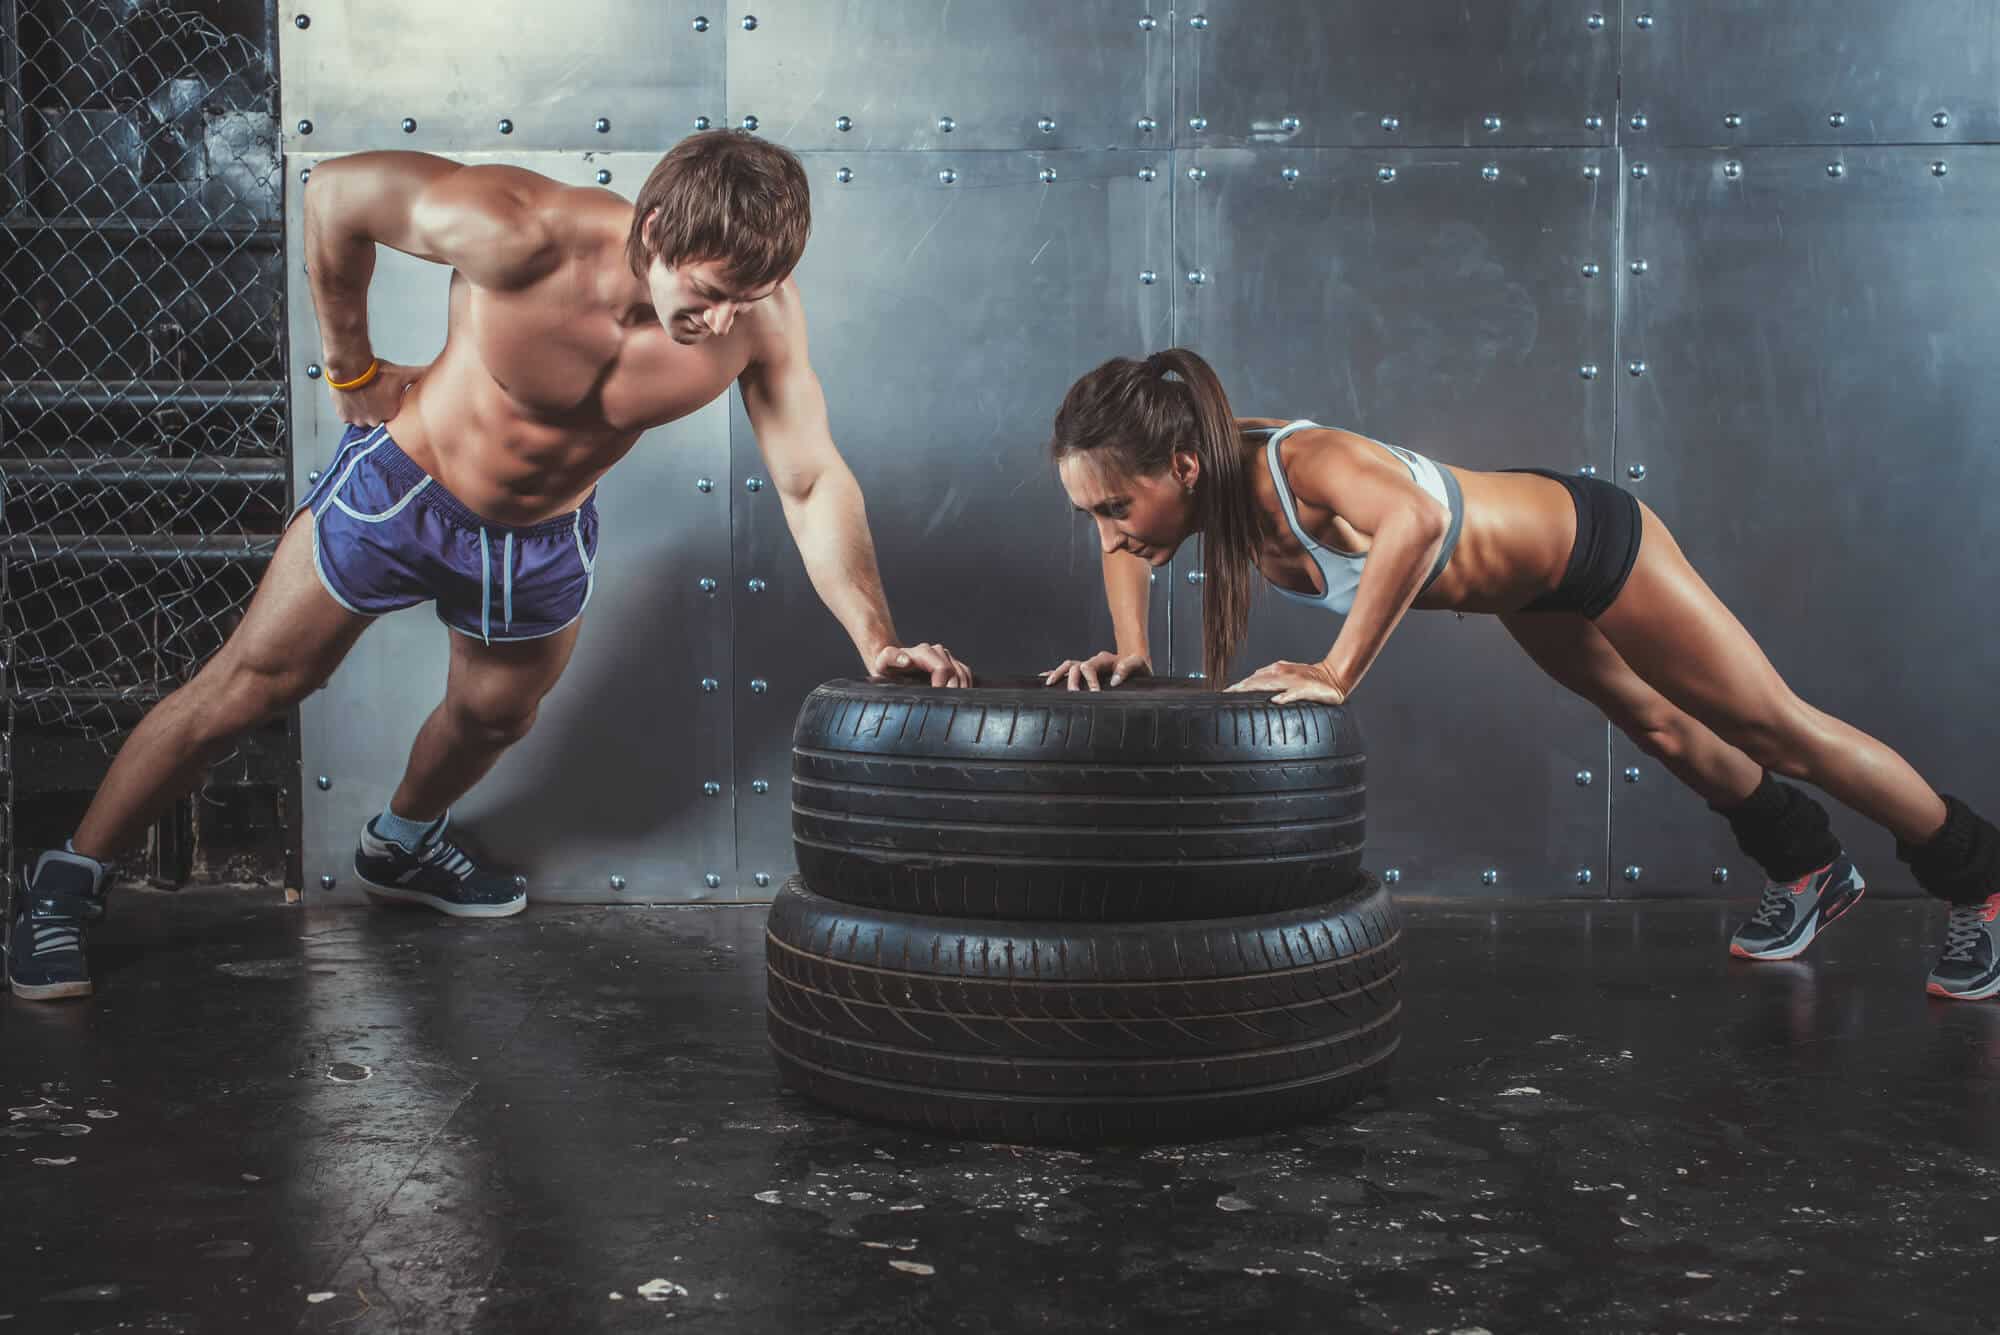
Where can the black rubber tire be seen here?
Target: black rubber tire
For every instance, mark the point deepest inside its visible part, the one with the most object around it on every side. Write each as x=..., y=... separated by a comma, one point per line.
x=1083, y=1032
x=1156, y=801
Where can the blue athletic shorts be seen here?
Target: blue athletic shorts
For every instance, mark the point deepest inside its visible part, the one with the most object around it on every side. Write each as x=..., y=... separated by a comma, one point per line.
x=387, y=535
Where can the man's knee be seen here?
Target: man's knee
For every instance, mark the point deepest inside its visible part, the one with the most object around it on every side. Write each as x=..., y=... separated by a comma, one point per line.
x=491, y=720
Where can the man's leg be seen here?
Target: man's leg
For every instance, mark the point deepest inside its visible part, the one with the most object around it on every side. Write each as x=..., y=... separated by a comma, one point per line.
x=291, y=638
x=492, y=694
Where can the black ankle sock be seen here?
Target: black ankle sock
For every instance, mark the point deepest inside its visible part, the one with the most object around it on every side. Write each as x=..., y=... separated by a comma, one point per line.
x=1784, y=831
x=1961, y=863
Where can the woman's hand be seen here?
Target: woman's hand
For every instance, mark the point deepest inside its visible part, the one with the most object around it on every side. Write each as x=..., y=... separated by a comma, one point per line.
x=1294, y=682
x=1086, y=671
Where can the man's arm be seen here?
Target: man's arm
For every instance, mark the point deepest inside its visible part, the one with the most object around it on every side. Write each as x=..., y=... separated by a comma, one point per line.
x=823, y=504
x=485, y=221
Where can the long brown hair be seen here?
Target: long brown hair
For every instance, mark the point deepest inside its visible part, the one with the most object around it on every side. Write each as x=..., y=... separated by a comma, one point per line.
x=1130, y=413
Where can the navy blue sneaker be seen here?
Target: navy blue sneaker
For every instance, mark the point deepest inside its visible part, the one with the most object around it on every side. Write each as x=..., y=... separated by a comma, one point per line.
x=437, y=873
x=45, y=928
x=1969, y=968
x=1792, y=913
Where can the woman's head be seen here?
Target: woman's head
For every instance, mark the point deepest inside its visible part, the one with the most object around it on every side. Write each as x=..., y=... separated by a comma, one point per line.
x=1149, y=450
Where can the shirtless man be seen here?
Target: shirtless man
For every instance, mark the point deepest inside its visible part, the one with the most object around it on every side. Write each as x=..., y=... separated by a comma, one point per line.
x=577, y=322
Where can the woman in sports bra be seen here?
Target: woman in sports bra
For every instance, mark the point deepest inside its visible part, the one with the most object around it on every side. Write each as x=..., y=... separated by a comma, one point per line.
x=1583, y=575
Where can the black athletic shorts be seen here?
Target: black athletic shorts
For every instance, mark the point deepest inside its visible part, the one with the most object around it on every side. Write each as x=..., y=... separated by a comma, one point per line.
x=1608, y=525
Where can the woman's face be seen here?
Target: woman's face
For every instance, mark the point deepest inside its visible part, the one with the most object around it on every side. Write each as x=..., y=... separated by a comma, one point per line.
x=1150, y=517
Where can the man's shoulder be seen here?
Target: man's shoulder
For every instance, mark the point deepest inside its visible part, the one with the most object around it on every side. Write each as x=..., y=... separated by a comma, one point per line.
x=776, y=325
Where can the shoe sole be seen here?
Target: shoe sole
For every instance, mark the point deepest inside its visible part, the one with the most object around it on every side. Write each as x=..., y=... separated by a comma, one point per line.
x=1981, y=993
x=49, y=991
x=399, y=895
x=1798, y=948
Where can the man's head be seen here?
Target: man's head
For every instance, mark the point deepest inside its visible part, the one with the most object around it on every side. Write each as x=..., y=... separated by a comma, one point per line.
x=719, y=224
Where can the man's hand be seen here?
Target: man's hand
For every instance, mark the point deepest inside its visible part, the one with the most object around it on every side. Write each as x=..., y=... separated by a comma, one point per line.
x=1294, y=682
x=920, y=660
x=378, y=400
x=1083, y=673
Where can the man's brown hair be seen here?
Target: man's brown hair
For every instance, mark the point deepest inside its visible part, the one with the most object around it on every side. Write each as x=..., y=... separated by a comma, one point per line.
x=724, y=195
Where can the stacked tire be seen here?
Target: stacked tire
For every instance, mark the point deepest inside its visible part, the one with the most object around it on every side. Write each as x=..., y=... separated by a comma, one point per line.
x=1030, y=914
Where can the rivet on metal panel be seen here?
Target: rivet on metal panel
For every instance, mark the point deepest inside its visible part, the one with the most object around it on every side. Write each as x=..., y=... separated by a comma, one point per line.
x=1590, y=269
x=1640, y=266
x=602, y=125
x=1588, y=370
x=758, y=686
x=762, y=878
x=756, y=586
x=1732, y=169
x=1640, y=171
x=753, y=484
x=701, y=23
x=1584, y=778
x=520, y=883
x=702, y=122
x=1289, y=124
x=1632, y=872
x=749, y=23
x=844, y=175
x=706, y=585
x=1197, y=277
x=618, y=883
x=843, y=123
x=312, y=370
x=1941, y=120
x=1289, y=174
x=704, y=485
x=946, y=124
x=948, y=176
x=409, y=125
x=1836, y=170
x=1147, y=125
x=324, y=781
x=305, y=174
x=1148, y=173
x=760, y=787
x=1491, y=876
x=1491, y=171
x=1592, y=171
x=712, y=788
x=1197, y=173
x=1493, y=124
x=1392, y=875
x=1391, y=124
x=748, y=122
x=1197, y=676
x=1636, y=368
x=712, y=881
x=1593, y=122
x=1198, y=21
x=1837, y=119
x=305, y=127
x=1631, y=774
x=1047, y=175
x=604, y=176
x=326, y=883
x=1596, y=21
x=1197, y=122
x=1584, y=876
x=313, y=476
x=1147, y=23
x=1588, y=470
x=1939, y=168
x=1195, y=576
x=1638, y=121
x=302, y=22
x=1046, y=125
x=506, y=126
x=1148, y=277
x=1385, y=174
x=1720, y=876
x=1644, y=21
x=710, y=685
x=1637, y=472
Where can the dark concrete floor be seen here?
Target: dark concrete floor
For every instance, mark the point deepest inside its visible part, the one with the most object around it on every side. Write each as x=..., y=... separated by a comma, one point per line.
x=271, y=1119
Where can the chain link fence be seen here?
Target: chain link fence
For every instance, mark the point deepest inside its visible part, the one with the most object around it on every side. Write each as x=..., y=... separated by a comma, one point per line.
x=143, y=418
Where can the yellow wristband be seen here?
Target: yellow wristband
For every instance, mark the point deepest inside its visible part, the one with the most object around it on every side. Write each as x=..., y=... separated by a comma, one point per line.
x=374, y=366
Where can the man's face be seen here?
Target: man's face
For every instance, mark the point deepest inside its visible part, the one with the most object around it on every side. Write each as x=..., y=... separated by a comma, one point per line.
x=697, y=299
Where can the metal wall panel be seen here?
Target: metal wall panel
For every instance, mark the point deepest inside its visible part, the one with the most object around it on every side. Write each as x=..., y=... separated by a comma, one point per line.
x=1814, y=421
x=1448, y=312
x=947, y=322
x=609, y=784
x=1031, y=74
x=1725, y=72
x=358, y=71
x=1313, y=73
